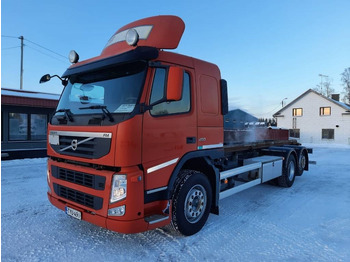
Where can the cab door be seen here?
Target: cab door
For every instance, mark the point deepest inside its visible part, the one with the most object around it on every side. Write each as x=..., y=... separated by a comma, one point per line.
x=169, y=129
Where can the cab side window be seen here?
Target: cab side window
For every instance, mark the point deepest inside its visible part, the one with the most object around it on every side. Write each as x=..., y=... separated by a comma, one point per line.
x=158, y=85
x=174, y=107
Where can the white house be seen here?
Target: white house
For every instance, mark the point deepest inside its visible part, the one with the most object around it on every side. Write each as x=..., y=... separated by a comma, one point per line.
x=314, y=118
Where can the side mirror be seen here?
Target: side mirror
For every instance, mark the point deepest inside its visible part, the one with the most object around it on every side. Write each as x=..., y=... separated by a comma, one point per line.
x=174, y=84
x=45, y=78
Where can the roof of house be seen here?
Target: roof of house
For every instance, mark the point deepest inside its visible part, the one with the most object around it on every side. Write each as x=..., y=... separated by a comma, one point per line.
x=341, y=104
x=28, y=98
x=240, y=113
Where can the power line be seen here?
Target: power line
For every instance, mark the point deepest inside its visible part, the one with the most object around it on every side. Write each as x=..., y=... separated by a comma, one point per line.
x=47, y=54
x=22, y=46
x=7, y=48
x=43, y=47
x=46, y=48
x=10, y=36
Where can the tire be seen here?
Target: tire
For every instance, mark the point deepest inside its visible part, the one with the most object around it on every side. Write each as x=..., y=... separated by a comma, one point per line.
x=191, y=202
x=288, y=173
x=302, y=162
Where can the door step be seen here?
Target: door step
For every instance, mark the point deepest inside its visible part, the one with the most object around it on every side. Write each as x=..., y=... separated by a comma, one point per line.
x=155, y=219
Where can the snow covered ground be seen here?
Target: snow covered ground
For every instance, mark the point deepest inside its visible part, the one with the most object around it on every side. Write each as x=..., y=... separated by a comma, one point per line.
x=308, y=222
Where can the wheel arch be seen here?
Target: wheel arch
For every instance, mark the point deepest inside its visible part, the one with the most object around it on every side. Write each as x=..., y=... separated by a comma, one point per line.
x=201, y=161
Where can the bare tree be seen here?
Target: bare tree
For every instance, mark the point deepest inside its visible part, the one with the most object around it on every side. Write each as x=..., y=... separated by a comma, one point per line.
x=345, y=79
x=324, y=88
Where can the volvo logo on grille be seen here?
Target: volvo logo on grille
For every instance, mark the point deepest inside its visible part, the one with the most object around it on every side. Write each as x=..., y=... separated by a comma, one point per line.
x=74, y=144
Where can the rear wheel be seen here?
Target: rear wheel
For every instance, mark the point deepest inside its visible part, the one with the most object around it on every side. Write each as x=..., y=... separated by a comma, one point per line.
x=288, y=173
x=302, y=162
x=191, y=202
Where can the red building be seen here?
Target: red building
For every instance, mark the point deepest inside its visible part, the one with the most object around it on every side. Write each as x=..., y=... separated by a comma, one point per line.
x=24, y=118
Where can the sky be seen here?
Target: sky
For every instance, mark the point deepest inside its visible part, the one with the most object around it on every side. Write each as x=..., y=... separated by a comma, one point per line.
x=266, y=50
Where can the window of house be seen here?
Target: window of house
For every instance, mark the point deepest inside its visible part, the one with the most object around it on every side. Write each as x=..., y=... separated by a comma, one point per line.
x=175, y=107
x=297, y=111
x=18, y=126
x=327, y=133
x=325, y=111
x=38, y=126
x=294, y=133
x=27, y=126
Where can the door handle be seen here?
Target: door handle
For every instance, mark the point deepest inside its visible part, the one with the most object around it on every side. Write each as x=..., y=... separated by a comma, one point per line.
x=191, y=140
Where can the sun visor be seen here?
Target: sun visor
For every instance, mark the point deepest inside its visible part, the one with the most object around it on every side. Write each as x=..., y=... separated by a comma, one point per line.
x=137, y=54
x=161, y=32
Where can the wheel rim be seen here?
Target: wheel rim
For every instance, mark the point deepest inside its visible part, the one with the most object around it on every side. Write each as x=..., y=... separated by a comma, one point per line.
x=195, y=203
x=291, y=170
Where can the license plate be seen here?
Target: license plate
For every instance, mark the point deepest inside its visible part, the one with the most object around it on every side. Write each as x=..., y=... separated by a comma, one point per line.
x=73, y=213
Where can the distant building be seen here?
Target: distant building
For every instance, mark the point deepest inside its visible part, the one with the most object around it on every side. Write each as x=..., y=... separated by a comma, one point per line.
x=314, y=118
x=24, y=118
x=238, y=119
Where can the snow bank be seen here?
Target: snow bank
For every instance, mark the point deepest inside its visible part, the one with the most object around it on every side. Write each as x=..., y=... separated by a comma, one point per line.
x=308, y=222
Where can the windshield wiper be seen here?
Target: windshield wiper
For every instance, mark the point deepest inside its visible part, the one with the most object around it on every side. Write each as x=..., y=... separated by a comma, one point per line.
x=104, y=111
x=67, y=113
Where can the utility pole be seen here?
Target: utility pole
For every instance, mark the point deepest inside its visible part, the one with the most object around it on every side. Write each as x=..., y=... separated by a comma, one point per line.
x=21, y=76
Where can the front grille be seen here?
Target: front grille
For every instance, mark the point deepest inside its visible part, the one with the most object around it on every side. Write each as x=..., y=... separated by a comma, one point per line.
x=80, y=178
x=86, y=147
x=81, y=198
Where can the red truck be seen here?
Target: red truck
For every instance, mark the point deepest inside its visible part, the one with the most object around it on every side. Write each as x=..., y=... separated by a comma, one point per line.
x=137, y=141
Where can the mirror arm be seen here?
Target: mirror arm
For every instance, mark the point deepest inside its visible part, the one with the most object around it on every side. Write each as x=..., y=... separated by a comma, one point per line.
x=159, y=102
x=144, y=107
x=64, y=81
x=47, y=78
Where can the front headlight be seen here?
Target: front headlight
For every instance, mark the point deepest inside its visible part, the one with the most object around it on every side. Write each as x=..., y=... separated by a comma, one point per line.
x=118, y=190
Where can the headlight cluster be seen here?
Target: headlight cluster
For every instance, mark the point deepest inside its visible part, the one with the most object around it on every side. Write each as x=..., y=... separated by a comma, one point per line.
x=118, y=191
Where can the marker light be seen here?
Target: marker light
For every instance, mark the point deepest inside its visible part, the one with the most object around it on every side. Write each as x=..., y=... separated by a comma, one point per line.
x=132, y=37
x=73, y=57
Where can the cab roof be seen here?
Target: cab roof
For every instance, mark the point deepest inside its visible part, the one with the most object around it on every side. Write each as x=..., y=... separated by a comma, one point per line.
x=161, y=32
x=157, y=32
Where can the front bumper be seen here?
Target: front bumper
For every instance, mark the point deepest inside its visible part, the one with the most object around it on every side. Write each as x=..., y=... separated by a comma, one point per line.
x=92, y=199
x=121, y=226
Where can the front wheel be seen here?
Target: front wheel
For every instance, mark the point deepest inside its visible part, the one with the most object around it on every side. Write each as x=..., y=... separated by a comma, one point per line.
x=191, y=202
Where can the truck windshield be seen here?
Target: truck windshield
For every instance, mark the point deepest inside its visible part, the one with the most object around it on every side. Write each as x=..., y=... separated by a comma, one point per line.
x=116, y=89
